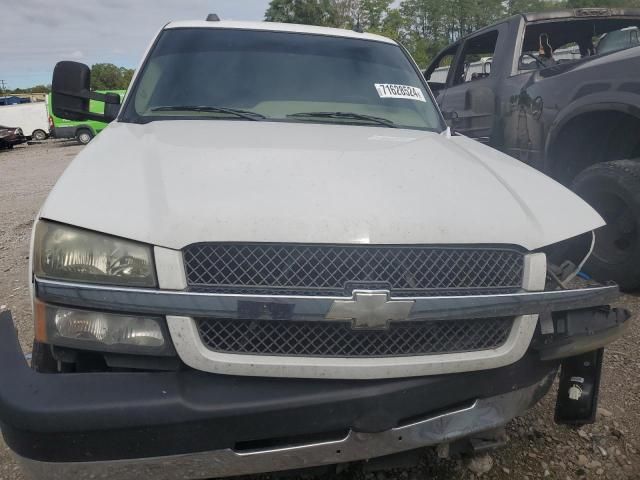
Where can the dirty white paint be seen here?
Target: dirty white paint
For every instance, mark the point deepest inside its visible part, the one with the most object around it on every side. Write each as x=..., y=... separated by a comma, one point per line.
x=192, y=351
x=198, y=181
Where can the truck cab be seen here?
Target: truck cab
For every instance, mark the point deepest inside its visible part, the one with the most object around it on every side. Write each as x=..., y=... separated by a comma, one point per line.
x=559, y=96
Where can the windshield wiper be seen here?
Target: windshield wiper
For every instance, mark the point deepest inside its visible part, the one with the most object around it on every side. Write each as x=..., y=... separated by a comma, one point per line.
x=344, y=115
x=204, y=108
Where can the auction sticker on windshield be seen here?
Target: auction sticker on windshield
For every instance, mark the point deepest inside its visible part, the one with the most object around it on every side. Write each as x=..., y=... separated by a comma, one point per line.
x=389, y=90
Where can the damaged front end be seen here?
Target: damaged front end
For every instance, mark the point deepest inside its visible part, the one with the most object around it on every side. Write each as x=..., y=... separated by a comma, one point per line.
x=576, y=337
x=245, y=414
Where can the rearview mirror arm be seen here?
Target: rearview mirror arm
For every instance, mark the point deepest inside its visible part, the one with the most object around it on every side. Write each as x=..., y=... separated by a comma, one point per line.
x=101, y=97
x=106, y=98
x=90, y=116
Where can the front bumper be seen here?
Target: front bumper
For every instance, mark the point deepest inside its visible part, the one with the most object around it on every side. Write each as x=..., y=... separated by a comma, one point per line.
x=480, y=416
x=181, y=307
x=191, y=424
x=196, y=424
x=13, y=140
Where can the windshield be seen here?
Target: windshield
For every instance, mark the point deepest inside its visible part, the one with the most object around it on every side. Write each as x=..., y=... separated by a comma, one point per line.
x=246, y=75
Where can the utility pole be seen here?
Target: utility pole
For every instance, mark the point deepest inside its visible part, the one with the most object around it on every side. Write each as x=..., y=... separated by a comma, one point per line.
x=3, y=87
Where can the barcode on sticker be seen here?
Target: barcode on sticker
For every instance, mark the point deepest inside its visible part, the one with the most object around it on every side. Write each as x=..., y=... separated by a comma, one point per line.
x=389, y=90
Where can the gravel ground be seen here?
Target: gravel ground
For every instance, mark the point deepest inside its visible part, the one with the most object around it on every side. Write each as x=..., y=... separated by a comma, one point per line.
x=537, y=448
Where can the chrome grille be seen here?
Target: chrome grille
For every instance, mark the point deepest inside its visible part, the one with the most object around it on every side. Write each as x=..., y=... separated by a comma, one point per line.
x=294, y=269
x=338, y=339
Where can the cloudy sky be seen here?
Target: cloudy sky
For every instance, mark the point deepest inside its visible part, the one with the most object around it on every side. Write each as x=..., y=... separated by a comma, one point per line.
x=35, y=34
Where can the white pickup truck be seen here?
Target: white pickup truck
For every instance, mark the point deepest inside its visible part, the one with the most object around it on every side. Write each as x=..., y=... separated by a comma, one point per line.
x=278, y=256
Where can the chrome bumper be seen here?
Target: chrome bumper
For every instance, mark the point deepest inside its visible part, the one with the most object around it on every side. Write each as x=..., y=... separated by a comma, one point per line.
x=484, y=414
x=194, y=304
x=180, y=308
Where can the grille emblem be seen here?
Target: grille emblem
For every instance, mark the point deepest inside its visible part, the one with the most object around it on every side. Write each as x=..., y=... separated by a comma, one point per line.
x=370, y=309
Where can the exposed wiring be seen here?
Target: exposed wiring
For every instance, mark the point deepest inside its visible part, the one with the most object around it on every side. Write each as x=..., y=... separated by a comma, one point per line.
x=573, y=275
x=584, y=276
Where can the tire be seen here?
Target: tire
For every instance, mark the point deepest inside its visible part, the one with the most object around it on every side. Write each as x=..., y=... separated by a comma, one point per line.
x=613, y=189
x=84, y=136
x=39, y=135
x=42, y=360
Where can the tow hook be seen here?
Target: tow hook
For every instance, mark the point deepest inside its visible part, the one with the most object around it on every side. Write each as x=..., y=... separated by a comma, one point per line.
x=577, y=401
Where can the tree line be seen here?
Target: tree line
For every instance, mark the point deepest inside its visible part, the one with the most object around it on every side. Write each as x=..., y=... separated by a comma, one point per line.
x=104, y=76
x=107, y=76
x=422, y=26
x=34, y=89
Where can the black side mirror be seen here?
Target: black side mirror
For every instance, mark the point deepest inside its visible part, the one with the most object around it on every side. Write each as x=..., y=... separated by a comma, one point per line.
x=71, y=94
x=69, y=80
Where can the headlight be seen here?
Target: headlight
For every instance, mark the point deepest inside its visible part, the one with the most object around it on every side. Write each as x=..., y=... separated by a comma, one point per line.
x=68, y=253
x=106, y=332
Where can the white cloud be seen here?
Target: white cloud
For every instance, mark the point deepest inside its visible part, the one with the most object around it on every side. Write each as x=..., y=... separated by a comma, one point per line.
x=38, y=33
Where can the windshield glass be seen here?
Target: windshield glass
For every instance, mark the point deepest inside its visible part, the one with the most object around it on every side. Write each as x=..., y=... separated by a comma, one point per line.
x=245, y=75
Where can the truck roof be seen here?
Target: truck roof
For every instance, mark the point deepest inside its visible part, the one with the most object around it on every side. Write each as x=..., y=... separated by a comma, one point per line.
x=279, y=27
x=565, y=14
x=581, y=13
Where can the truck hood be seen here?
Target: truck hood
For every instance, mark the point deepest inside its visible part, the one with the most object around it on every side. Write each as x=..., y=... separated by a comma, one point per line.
x=173, y=183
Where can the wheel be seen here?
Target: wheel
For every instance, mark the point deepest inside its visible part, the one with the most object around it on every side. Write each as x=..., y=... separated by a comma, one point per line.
x=42, y=360
x=39, y=135
x=84, y=136
x=613, y=189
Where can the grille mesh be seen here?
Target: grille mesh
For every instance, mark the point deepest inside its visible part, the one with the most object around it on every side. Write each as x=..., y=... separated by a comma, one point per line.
x=338, y=339
x=335, y=270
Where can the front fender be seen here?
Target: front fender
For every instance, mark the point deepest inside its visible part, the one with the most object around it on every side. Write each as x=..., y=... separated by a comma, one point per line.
x=619, y=101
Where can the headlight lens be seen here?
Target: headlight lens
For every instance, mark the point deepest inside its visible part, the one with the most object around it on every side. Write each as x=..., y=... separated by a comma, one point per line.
x=106, y=332
x=69, y=253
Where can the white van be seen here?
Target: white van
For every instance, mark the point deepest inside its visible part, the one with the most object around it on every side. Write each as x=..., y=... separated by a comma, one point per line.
x=32, y=118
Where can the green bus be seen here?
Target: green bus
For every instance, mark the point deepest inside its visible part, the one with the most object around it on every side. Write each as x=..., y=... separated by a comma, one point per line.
x=84, y=131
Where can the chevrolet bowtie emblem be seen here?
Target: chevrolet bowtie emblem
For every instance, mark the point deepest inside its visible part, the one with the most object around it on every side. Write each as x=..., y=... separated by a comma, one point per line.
x=370, y=309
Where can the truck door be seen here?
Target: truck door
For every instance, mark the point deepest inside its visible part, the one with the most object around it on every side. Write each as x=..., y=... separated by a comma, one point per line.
x=469, y=103
x=438, y=73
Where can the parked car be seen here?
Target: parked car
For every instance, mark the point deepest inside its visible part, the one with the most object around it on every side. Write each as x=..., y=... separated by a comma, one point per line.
x=83, y=131
x=32, y=118
x=560, y=96
x=282, y=258
x=13, y=100
x=11, y=136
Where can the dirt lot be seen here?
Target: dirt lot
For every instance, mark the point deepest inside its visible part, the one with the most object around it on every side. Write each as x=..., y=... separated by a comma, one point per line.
x=537, y=449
